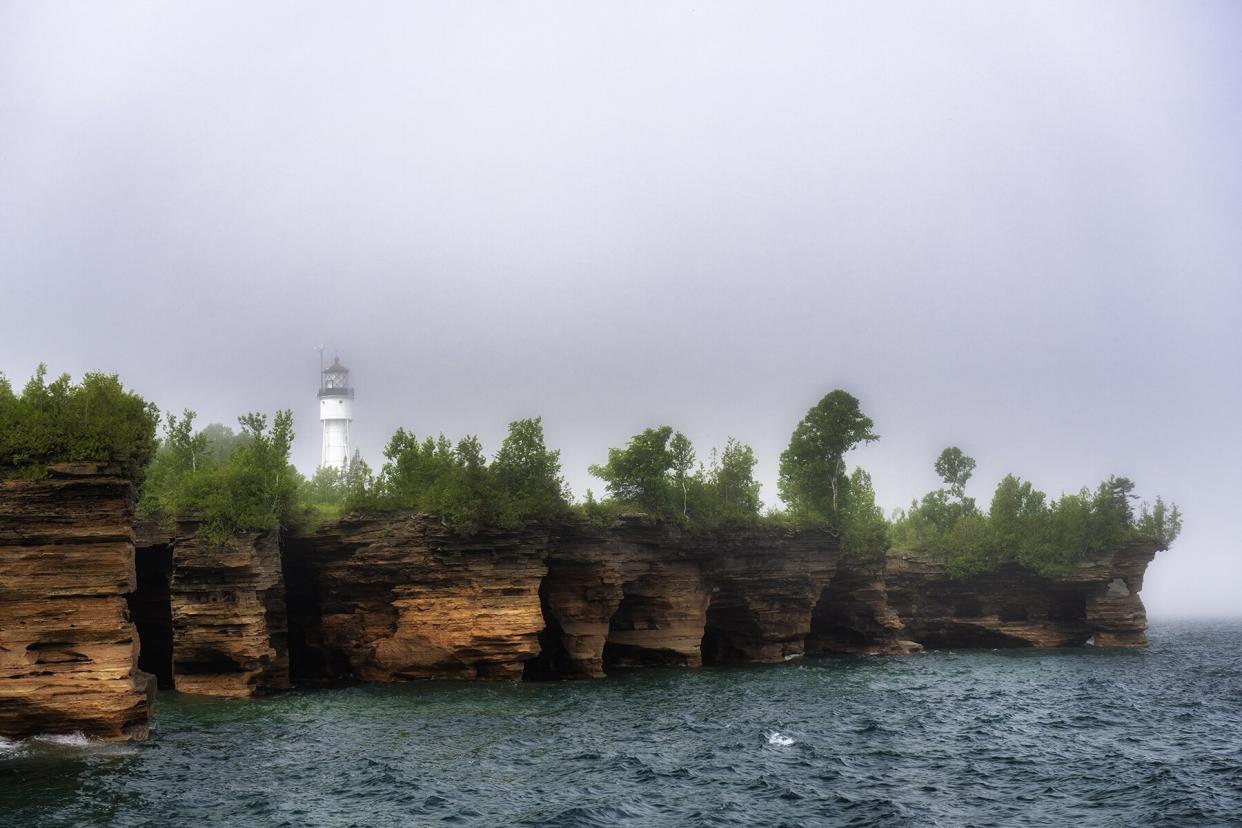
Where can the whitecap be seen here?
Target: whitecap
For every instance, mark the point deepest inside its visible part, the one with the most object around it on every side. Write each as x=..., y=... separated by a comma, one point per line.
x=77, y=739
x=9, y=747
x=780, y=739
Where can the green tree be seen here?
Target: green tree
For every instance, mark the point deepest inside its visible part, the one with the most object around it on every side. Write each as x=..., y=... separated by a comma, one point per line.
x=189, y=448
x=252, y=487
x=681, y=453
x=731, y=485
x=529, y=474
x=640, y=472
x=955, y=468
x=94, y=420
x=864, y=532
x=1016, y=515
x=467, y=497
x=812, y=469
x=1160, y=523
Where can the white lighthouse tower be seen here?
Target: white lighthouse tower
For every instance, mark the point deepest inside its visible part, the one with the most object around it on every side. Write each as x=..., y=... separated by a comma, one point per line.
x=336, y=411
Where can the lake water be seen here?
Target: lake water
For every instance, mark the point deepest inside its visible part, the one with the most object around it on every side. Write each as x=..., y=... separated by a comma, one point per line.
x=966, y=738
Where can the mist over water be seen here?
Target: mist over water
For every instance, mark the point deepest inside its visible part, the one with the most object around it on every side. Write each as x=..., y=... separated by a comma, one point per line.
x=1033, y=738
x=1008, y=227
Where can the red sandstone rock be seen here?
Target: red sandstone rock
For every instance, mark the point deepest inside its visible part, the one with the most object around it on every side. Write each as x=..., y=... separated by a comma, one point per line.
x=228, y=614
x=402, y=597
x=1015, y=607
x=68, y=652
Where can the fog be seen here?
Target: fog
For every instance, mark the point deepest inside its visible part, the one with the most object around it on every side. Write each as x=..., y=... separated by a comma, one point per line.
x=1009, y=227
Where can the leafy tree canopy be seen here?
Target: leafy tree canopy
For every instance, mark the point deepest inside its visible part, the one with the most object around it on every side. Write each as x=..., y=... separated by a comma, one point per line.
x=523, y=482
x=231, y=482
x=655, y=473
x=955, y=468
x=812, y=479
x=94, y=420
x=1023, y=526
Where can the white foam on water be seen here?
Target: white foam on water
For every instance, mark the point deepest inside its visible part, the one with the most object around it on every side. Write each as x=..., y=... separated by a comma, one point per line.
x=77, y=739
x=775, y=738
x=9, y=747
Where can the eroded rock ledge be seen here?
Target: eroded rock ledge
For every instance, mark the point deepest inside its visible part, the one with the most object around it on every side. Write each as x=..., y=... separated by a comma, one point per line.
x=1097, y=602
x=68, y=651
x=400, y=597
x=211, y=614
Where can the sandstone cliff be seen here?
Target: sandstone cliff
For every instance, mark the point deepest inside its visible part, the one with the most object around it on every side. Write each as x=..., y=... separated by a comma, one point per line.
x=228, y=614
x=68, y=652
x=1015, y=607
x=211, y=615
x=398, y=597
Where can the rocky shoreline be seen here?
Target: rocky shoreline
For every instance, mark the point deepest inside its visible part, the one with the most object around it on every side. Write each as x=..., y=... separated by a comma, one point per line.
x=94, y=612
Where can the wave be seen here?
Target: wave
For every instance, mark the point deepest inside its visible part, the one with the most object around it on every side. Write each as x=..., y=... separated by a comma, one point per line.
x=780, y=739
x=76, y=739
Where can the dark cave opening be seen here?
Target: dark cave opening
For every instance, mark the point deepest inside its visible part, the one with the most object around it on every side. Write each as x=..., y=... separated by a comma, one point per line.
x=841, y=623
x=150, y=608
x=730, y=632
x=627, y=644
x=552, y=663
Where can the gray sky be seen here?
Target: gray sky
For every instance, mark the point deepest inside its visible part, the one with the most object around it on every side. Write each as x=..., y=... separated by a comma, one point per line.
x=1012, y=227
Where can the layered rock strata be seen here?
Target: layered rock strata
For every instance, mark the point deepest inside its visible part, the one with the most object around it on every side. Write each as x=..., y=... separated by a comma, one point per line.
x=1097, y=601
x=643, y=592
x=853, y=615
x=68, y=651
x=227, y=609
x=399, y=597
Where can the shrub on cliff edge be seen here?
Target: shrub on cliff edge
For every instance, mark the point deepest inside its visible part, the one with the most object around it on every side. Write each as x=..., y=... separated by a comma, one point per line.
x=95, y=420
x=1022, y=526
x=232, y=483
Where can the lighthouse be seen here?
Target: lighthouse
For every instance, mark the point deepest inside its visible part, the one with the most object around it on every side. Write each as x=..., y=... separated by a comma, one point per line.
x=336, y=411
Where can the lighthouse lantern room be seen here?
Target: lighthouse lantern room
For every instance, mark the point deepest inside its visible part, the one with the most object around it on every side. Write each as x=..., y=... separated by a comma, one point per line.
x=336, y=403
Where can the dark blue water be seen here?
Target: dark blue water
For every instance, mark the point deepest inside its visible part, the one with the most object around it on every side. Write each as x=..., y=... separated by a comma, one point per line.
x=1082, y=737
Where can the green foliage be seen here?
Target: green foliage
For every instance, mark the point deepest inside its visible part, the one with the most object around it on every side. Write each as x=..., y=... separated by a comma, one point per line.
x=642, y=473
x=529, y=474
x=812, y=479
x=1161, y=523
x=729, y=485
x=522, y=483
x=864, y=531
x=1022, y=526
x=232, y=483
x=601, y=513
x=330, y=490
x=955, y=468
x=655, y=474
x=95, y=420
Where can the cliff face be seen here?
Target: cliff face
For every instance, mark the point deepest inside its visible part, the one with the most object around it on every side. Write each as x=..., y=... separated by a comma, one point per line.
x=389, y=598
x=68, y=652
x=227, y=601
x=647, y=593
x=853, y=615
x=401, y=597
x=1014, y=607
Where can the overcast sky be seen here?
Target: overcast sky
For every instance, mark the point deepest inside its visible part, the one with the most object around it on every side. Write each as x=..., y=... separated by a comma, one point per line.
x=1013, y=227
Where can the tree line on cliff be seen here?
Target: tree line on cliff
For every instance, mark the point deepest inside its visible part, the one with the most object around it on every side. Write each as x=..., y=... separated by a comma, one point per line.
x=1022, y=525
x=243, y=481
